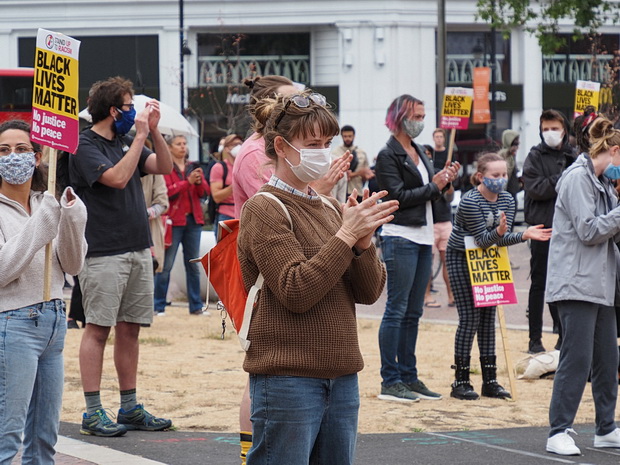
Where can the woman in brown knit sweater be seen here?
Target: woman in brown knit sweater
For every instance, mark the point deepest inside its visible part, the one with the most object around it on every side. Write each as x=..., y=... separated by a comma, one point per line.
x=304, y=354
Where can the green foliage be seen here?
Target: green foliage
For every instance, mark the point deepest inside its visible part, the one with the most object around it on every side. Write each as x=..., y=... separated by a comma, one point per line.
x=542, y=17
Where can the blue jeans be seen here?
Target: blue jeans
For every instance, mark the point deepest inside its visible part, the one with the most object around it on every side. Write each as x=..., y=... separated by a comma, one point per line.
x=219, y=217
x=189, y=236
x=299, y=420
x=408, y=268
x=31, y=380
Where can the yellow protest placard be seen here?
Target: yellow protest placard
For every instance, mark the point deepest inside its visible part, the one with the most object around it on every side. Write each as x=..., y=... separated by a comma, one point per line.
x=586, y=93
x=490, y=275
x=456, y=108
x=55, y=120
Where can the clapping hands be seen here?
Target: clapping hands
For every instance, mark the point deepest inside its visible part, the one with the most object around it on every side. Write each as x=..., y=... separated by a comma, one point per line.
x=361, y=219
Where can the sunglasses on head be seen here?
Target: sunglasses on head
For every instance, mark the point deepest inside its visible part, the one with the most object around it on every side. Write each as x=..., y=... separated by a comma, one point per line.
x=301, y=101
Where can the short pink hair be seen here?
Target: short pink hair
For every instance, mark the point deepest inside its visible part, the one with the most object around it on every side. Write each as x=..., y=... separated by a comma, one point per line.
x=398, y=111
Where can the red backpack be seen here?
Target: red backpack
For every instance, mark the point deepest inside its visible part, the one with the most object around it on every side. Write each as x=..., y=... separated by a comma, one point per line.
x=224, y=272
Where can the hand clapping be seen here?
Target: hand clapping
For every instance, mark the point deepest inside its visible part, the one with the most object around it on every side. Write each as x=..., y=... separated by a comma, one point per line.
x=447, y=175
x=361, y=219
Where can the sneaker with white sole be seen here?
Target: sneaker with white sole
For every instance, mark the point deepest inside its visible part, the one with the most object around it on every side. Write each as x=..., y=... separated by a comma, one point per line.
x=563, y=444
x=398, y=393
x=420, y=390
x=608, y=440
x=138, y=418
x=98, y=424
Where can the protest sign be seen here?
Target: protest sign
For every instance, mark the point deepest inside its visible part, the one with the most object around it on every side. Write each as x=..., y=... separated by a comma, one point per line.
x=586, y=93
x=490, y=275
x=55, y=108
x=482, y=112
x=456, y=108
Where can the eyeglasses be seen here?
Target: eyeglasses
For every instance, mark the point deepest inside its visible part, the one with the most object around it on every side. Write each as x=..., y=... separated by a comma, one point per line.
x=130, y=105
x=301, y=101
x=19, y=149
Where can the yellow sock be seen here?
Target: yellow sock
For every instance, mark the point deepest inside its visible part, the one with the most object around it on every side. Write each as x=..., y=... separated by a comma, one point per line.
x=245, y=439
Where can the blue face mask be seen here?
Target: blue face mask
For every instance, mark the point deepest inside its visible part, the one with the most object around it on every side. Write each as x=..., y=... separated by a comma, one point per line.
x=125, y=122
x=612, y=172
x=495, y=185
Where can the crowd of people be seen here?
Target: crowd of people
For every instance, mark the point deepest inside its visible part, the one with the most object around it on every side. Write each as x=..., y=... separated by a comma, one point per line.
x=313, y=236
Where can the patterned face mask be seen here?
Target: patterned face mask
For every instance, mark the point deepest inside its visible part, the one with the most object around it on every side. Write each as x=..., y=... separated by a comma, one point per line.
x=17, y=168
x=413, y=128
x=495, y=185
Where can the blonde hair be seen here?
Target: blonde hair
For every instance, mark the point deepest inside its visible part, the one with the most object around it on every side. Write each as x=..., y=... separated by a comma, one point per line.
x=230, y=138
x=294, y=122
x=603, y=136
x=263, y=87
x=483, y=162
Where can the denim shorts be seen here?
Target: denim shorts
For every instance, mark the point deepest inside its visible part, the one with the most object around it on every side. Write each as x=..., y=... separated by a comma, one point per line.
x=118, y=288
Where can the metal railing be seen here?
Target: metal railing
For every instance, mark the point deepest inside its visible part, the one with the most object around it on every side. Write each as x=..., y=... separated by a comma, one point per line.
x=460, y=68
x=224, y=71
x=571, y=68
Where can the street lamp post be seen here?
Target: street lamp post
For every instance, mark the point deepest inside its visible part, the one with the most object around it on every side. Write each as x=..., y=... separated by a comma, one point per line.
x=441, y=54
x=182, y=47
x=492, y=65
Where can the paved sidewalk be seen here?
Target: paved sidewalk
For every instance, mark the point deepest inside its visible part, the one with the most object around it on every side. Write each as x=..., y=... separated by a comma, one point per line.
x=514, y=446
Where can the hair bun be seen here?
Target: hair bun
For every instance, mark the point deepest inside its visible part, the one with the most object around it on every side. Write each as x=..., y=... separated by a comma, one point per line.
x=601, y=128
x=263, y=109
x=251, y=82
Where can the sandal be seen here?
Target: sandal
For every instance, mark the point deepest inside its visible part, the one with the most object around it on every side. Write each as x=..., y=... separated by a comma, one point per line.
x=432, y=304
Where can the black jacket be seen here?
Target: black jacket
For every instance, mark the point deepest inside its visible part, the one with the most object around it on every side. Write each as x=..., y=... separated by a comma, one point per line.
x=541, y=171
x=397, y=174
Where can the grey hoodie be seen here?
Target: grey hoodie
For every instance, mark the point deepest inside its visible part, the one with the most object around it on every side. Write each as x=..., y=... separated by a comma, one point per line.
x=583, y=258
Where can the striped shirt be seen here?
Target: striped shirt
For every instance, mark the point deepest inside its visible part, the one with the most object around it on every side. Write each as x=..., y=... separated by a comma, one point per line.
x=478, y=217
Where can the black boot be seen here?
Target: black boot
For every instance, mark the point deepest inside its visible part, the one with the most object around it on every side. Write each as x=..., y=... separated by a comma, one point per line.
x=535, y=346
x=461, y=388
x=490, y=386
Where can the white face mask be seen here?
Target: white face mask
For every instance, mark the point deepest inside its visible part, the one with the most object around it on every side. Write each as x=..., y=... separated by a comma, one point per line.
x=313, y=163
x=235, y=150
x=220, y=148
x=553, y=138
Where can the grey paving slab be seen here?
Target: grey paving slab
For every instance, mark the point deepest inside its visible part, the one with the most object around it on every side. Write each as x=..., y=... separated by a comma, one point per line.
x=513, y=446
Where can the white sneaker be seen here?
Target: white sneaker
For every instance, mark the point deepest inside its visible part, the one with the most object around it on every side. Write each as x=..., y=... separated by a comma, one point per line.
x=609, y=440
x=563, y=444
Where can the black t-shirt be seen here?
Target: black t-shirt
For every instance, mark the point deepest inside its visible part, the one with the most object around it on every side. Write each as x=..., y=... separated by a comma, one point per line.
x=442, y=210
x=439, y=158
x=117, y=218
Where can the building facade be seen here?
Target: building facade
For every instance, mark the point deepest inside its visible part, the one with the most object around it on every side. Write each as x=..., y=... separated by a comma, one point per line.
x=361, y=54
